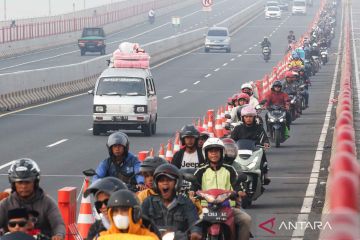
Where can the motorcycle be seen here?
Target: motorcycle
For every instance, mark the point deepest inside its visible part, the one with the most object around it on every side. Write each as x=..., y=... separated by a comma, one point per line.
x=266, y=51
x=276, y=124
x=316, y=63
x=324, y=55
x=295, y=106
x=151, y=19
x=249, y=158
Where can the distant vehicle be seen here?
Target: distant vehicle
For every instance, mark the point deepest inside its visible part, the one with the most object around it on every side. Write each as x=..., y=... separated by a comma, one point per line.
x=271, y=4
x=273, y=12
x=299, y=7
x=218, y=38
x=92, y=40
x=284, y=5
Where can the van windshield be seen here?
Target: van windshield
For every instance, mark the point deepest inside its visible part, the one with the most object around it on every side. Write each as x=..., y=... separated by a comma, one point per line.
x=299, y=4
x=221, y=33
x=121, y=86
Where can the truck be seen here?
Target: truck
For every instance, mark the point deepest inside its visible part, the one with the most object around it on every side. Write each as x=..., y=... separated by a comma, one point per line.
x=92, y=40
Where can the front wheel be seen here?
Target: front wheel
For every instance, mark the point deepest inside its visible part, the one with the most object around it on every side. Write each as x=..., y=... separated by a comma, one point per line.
x=153, y=128
x=277, y=137
x=246, y=202
x=146, y=129
x=82, y=52
x=97, y=129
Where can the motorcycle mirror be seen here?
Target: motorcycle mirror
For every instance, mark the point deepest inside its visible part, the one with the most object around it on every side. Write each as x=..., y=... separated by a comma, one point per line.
x=89, y=172
x=227, y=116
x=227, y=126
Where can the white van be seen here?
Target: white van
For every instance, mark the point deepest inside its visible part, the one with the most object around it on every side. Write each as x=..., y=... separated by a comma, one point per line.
x=125, y=98
x=299, y=7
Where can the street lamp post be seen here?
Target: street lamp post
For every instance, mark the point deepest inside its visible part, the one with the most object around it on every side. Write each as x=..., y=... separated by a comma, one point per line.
x=49, y=7
x=4, y=9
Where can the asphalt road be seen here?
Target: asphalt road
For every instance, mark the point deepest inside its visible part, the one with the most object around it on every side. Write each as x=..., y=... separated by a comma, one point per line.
x=192, y=17
x=32, y=132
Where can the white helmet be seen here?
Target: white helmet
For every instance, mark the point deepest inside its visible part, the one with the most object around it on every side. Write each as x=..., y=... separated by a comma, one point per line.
x=213, y=143
x=246, y=85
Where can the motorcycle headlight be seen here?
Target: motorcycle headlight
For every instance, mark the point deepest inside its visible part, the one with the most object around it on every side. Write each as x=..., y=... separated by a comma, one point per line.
x=99, y=109
x=271, y=119
x=281, y=120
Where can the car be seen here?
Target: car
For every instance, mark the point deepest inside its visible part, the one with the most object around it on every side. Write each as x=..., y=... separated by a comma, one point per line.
x=218, y=38
x=273, y=12
x=283, y=5
x=92, y=40
x=299, y=7
x=271, y=4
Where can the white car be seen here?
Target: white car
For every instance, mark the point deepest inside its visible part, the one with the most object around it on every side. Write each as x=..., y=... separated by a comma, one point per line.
x=272, y=12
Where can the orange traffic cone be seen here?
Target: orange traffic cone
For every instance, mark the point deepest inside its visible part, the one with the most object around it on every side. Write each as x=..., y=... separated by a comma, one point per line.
x=177, y=143
x=142, y=155
x=218, y=126
x=199, y=123
x=205, y=123
x=85, y=218
x=210, y=127
x=169, y=152
x=162, y=151
x=151, y=152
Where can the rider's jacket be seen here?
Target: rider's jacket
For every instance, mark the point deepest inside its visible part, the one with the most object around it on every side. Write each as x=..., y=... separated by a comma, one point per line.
x=255, y=132
x=128, y=170
x=277, y=98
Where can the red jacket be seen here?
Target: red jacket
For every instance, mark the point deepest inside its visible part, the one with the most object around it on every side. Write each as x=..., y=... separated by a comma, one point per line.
x=277, y=98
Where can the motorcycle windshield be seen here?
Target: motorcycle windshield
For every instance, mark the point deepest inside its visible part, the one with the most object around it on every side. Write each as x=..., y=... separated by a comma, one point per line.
x=246, y=144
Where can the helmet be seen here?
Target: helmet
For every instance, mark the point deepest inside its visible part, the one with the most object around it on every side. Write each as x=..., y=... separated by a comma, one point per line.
x=248, y=111
x=203, y=132
x=231, y=150
x=234, y=97
x=188, y=131
x=151, y=163
x=169, y=170
x=24, y=169
x=126, y=198
x=244, y=96
x=294, y=55
x=107, y=185
x=265, y=38
x=276, y=84
x=213, y=143
x=314, y=44
x=289, y=74
x=118, y=138
x=246, y=85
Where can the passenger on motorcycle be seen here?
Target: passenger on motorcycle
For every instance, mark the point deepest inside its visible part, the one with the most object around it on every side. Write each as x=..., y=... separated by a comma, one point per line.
x=121, y=163
x=18, y=220
x=291, y=37
x=304, y=79
x=204, y=135
x=147, y=169
x=243, y=100
x=101, y=189
x=190, y=155
x=24, y=177
x=168, y=209
x=125, y=215
x=279, y=98
x=266, y=43
x=315, y=50
x=218, y=175
x=250, y=129
x=248, y=89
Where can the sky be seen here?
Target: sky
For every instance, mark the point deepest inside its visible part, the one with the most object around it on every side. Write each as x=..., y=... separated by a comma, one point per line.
x=17, y=9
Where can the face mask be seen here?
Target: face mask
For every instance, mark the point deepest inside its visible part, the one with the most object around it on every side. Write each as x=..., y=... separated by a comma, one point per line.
x=121, y=222
x=105, y=221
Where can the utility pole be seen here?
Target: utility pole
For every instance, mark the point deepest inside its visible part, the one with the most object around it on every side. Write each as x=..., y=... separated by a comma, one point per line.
x=49, y=7
x=4, y=9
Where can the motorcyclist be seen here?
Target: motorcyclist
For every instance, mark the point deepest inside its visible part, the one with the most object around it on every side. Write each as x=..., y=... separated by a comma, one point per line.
x=18, y=220
x=296, y=62
x=248, y=89
x=151, y=15
x=304, y=79
x=265, y=43
x=147, y=169
x=291, y=37
x=231, y=152
x=121, y=163
x=315, y=50
x=101, y=189
x=250, y=129
x=168, y=209
x=218, y=175
x=24, y=177
x=279, y=98
x=204, y=135
x=190, y=155
x=125, y=215
x=244, y=99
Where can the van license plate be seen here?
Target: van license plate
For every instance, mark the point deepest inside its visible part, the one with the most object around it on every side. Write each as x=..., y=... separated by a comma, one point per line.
x=120, y=118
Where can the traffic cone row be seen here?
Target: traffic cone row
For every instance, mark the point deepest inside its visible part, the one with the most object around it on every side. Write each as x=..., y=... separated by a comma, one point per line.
x=210, y=128
x=151, y=152
x=86, y=217
x=218, y=126
x=205, y=123
x=177, y=144
x=169, y=152
x=162, y=151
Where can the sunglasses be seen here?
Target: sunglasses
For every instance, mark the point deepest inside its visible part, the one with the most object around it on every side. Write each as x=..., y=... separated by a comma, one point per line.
x=99, y=204
x=19, y=223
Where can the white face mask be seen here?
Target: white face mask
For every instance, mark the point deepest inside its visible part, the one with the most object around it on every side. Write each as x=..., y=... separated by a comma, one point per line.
x=121, y=222
x=105, y=221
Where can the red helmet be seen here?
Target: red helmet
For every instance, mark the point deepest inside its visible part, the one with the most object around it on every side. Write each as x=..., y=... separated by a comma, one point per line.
x=244, y=96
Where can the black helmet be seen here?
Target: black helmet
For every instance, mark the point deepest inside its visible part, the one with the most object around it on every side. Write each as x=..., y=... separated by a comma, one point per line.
x=24, y=169
x=169, y=170
x=188, y=131
x=126, y=198
x=107, y=185
x=276, y=84
x=151, y=163
x=118, y=138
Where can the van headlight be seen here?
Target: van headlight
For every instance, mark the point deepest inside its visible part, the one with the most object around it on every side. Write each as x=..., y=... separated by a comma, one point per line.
x=140, y=109
x=99, y=108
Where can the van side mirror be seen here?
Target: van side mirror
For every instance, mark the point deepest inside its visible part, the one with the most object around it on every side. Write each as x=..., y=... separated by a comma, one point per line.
x=108, y=62
x=91, y=92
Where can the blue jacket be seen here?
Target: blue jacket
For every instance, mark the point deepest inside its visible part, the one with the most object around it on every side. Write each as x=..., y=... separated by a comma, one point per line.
x=129, y=167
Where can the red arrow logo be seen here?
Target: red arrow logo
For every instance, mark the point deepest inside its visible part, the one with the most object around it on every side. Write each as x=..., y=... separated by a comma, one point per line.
x=269, y=230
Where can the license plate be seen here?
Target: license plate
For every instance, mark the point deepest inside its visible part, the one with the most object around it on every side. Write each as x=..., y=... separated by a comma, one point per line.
x=215, y=216
x=120, y=118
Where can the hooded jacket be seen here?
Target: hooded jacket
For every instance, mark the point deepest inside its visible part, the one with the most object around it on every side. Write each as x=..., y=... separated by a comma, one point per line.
x=50, y=221
x=136, y=231
x=277, y=98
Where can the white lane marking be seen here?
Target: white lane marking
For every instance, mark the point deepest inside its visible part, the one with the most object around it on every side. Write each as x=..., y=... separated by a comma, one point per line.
x=355, y=58
x=245, y=51
x=310, y=191
x=215, y=70
x=195, y=83
x=207, y=75
x=167, y=97
x=250, y=48
x=6, y=165
x=239, y=55
x=255, y=45
x=90, y=129
x=57, y=143
x=182, y=91
x=43, y=104
x=233, y=59
x=225, y=64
